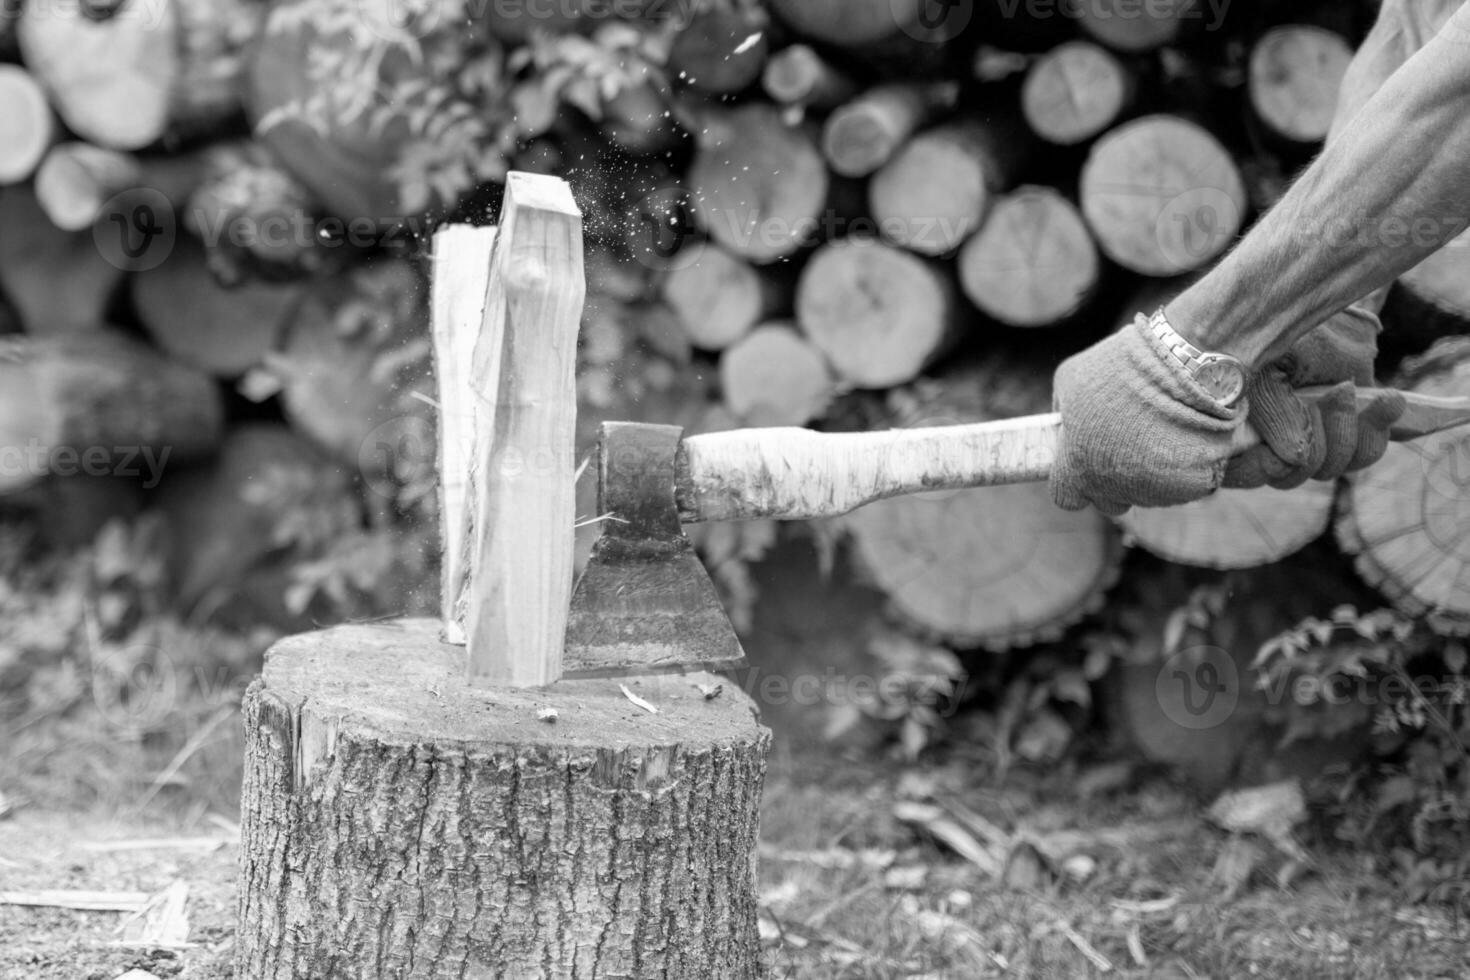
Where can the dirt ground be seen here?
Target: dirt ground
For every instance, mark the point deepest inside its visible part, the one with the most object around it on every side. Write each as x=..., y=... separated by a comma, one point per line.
x=850, y=888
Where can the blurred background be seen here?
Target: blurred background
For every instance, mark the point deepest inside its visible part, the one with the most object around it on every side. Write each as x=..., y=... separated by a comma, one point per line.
x=217, y=427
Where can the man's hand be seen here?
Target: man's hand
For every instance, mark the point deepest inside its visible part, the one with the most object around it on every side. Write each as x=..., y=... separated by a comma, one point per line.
x=1136, y=429
x=1328, y=438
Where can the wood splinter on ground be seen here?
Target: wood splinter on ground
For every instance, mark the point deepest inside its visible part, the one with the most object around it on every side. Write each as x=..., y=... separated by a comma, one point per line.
x=409, y=806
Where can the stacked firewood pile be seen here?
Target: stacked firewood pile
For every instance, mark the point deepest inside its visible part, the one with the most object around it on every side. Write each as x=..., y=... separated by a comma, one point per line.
x=214, y=233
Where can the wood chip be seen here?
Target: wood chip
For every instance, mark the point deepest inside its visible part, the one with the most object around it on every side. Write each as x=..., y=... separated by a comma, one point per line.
x=207, y=844
x=945, y=828
x=1074, y=937
x=710, y=691
x=163, y=924
x=81, y=901
x=549, y=715
x=138, y=975
x=637, y=700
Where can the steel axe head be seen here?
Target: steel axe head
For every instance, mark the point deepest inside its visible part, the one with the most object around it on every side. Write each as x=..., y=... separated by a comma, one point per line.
x=644, y=604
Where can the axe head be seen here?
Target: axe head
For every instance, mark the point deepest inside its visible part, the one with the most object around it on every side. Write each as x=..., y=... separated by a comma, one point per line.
x=645, y=604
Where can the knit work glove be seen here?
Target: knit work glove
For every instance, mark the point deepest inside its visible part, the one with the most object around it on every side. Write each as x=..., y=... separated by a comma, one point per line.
x=1136, y=428
x=1327, y=438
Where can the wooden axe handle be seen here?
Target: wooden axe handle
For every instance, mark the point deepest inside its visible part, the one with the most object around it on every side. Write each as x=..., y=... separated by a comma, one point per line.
x=797, y=474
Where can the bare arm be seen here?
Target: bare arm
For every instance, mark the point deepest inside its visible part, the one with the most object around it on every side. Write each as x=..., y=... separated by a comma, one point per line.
x=1392, y=187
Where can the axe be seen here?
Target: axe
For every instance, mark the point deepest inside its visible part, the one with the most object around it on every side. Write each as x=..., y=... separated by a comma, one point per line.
x=645, y=603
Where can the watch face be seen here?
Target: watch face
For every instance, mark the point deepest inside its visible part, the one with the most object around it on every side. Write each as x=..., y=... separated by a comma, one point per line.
x=1222, y=377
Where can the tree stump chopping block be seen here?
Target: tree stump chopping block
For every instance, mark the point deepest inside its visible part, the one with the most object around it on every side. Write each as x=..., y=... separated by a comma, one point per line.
x=399, y=823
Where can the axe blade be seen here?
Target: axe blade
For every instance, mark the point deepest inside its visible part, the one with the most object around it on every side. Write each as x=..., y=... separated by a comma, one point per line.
x=645, y=603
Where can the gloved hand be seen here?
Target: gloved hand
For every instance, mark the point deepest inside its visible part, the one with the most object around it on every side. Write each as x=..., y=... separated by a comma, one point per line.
x=1136, y=428
x=1328, y=438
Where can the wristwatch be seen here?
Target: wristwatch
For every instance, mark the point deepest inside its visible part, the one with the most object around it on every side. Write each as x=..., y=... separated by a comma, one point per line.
x=1221, y=375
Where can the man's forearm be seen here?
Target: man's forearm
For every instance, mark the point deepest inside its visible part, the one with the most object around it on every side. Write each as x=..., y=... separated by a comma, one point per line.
x=1391, y=188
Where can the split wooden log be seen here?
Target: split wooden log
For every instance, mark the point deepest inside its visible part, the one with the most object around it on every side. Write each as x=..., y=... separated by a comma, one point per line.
x=864, y=133
x=879, y=314
x=26, y=125
x=938, y=189
x=775, y=377
x=1128, y=26
x=719, y=296
x=721, y=52
x=1407, y=519
x=564, y=832
x=223, y=329
x=522, y=498
x=1033, y=264
x=1074, y=92
x=1162, y=195
x=997, y=567
x=461, y=280
x=1295, y=73
x=96, y=402
x=111, y=71
x=354, y=354
x=56, y=281
x=848, y=23
x=758, y=185
x=798, y=75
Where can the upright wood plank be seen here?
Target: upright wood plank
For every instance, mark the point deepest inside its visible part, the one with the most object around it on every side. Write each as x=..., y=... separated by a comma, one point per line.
x=462, y=257
x=521, y=495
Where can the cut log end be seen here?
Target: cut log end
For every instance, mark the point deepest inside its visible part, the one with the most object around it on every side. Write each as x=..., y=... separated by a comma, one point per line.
x=720, y=52
x=797, y=75
x=879, y=314
x=718, y=297
x=644, y=824
x=1295, y=74
x=774, y=377
x=997, y=567
x=77, y=179
x=862, y=135
x=1162, y=195
x=938, y=189
x=26, y=126
x=1234, y=528
x=1074, y=92
x=758, y=185
x=1407, y=519
x=1033, y=263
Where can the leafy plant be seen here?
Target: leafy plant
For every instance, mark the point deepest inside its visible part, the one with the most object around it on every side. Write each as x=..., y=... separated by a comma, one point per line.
x=1389, y=676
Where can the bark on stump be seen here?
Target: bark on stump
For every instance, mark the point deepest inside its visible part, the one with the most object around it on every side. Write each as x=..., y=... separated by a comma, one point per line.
x=397, y=823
